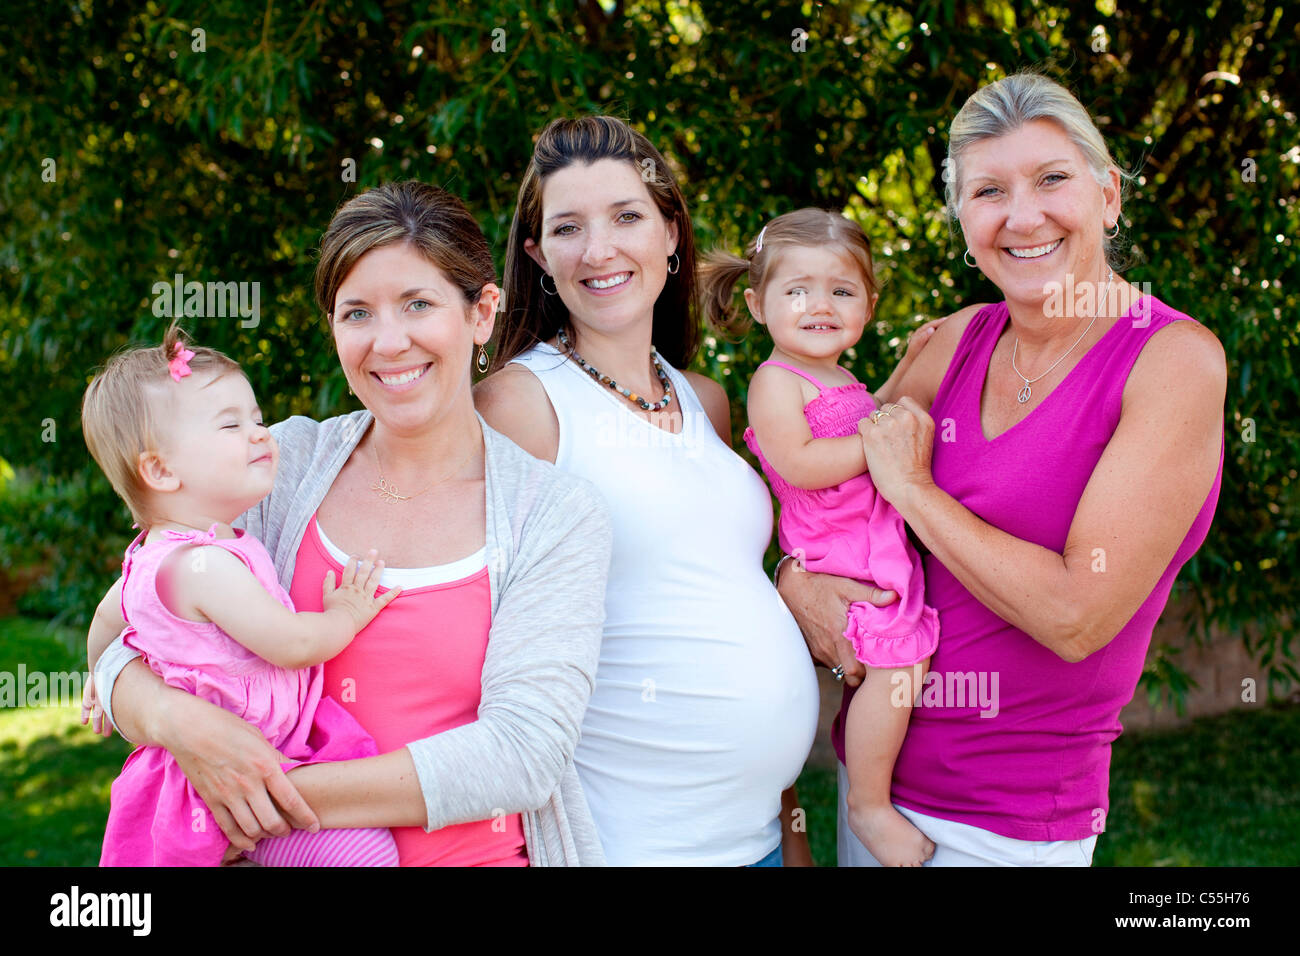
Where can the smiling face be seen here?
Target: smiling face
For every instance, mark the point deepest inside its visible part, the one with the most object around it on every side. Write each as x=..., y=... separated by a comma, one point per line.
x=215, y=450
x=814, y=302
x=605, y=243
x=405, y=337
x=1032, y=212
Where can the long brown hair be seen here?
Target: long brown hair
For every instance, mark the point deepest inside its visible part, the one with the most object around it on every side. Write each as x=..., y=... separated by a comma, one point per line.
x=529, y=315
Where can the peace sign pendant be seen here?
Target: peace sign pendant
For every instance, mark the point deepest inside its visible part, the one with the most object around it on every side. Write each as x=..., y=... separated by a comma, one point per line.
x=1023, y=395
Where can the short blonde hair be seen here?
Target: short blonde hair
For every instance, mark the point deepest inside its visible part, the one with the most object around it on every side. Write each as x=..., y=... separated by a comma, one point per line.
x=119, y=418
x=1006, y=105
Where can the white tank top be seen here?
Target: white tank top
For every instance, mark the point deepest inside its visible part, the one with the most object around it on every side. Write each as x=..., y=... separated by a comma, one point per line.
x=705, y=704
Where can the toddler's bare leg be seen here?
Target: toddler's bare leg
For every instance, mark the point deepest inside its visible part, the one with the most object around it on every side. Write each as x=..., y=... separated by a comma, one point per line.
x=873, y=735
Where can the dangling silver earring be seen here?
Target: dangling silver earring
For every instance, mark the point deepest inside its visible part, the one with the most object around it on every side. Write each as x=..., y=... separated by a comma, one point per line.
x=674, y=264
x=1112, y=235
x=541, y=280
x=965, y=257
x=482, y=360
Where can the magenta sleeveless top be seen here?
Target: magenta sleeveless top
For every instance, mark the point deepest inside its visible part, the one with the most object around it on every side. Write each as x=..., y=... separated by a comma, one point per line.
x=1028, y=755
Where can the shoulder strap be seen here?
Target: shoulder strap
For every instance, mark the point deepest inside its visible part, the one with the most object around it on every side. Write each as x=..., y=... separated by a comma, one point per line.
x=790, y=368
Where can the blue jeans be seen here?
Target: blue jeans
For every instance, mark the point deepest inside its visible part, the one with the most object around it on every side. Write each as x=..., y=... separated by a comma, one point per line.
x=772, y=859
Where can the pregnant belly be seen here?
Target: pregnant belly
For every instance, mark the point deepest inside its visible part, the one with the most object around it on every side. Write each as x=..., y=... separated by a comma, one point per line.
x=724, y=707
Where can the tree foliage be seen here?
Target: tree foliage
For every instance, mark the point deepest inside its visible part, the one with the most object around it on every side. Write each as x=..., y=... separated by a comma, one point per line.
x=213, y=140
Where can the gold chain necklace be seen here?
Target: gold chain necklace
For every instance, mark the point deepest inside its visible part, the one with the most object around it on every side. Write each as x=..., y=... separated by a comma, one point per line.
x=388, y=491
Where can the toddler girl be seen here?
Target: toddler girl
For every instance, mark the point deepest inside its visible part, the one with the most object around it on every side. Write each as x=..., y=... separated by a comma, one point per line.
x=179, y=434
x=811, y=283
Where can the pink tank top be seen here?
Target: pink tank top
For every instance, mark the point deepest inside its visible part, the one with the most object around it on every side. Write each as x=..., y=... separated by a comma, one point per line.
x=414, y=671
x=1037, y=765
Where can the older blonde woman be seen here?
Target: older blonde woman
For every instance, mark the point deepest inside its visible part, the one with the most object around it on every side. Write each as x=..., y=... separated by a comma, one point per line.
x=474, y=680
x=1059, y=453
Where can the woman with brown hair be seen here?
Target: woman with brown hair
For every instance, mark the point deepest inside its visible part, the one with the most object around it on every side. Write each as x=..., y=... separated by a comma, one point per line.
x=705, y=703
x=476, y=718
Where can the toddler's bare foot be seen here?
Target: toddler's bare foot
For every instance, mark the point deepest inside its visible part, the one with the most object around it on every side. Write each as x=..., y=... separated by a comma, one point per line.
x=890, y=836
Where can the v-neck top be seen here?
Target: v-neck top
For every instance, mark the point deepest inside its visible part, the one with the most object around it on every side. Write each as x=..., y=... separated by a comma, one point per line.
x=1008, y=736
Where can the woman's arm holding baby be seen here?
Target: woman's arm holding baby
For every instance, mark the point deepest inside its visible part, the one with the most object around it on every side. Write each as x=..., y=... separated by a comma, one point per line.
x=230, y=763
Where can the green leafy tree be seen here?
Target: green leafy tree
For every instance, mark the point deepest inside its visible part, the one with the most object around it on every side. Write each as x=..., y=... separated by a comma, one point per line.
x=214, y=140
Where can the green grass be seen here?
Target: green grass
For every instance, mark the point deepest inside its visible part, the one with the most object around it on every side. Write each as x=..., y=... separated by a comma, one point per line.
x=54, y=773
x=1224, y=791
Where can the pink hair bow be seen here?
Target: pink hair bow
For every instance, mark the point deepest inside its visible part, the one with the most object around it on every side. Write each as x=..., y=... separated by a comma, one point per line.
x=179, y=366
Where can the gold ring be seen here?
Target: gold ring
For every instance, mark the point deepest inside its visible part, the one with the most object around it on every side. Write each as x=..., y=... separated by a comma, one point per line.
x=875, y=416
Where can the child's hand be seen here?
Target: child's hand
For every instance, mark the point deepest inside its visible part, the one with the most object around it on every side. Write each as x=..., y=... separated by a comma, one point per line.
x=918, y=339
x=91, y=711
x=356, y=591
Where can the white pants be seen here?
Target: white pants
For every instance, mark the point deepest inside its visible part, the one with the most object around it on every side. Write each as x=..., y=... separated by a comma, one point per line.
x=960, y=844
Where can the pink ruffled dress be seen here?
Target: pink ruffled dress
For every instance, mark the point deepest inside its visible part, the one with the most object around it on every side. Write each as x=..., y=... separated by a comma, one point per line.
x=156, y=817
x=851, y=531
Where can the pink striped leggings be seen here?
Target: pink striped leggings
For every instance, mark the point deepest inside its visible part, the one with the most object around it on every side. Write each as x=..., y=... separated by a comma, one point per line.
x=370, y=847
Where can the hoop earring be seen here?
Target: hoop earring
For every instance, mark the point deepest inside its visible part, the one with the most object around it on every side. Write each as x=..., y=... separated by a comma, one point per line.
x=482, y=360
x=965, y=257
x=674, y=264
x=541, y=280
x=1112, y=235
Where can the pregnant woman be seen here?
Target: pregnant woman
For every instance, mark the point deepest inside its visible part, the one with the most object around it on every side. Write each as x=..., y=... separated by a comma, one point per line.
x=1059, y=453
x=705, y=704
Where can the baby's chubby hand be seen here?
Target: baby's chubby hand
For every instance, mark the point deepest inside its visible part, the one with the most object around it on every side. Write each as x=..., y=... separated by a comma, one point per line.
x=918, y=338
x=355, y=593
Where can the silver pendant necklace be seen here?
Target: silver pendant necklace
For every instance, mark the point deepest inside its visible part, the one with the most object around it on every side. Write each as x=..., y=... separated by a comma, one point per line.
x=1025, y=392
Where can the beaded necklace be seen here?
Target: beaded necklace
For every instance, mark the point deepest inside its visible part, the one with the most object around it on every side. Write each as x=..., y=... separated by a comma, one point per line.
x=606, y=380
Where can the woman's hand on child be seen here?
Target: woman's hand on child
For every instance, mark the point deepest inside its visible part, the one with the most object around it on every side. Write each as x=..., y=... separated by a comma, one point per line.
x=237, y=773
x=898, y=442
x=356, y=590
x=820, y=605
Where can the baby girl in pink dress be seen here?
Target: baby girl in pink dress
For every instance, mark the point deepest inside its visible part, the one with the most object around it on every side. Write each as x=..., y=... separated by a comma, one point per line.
x=179, y=434
x=812, y=285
